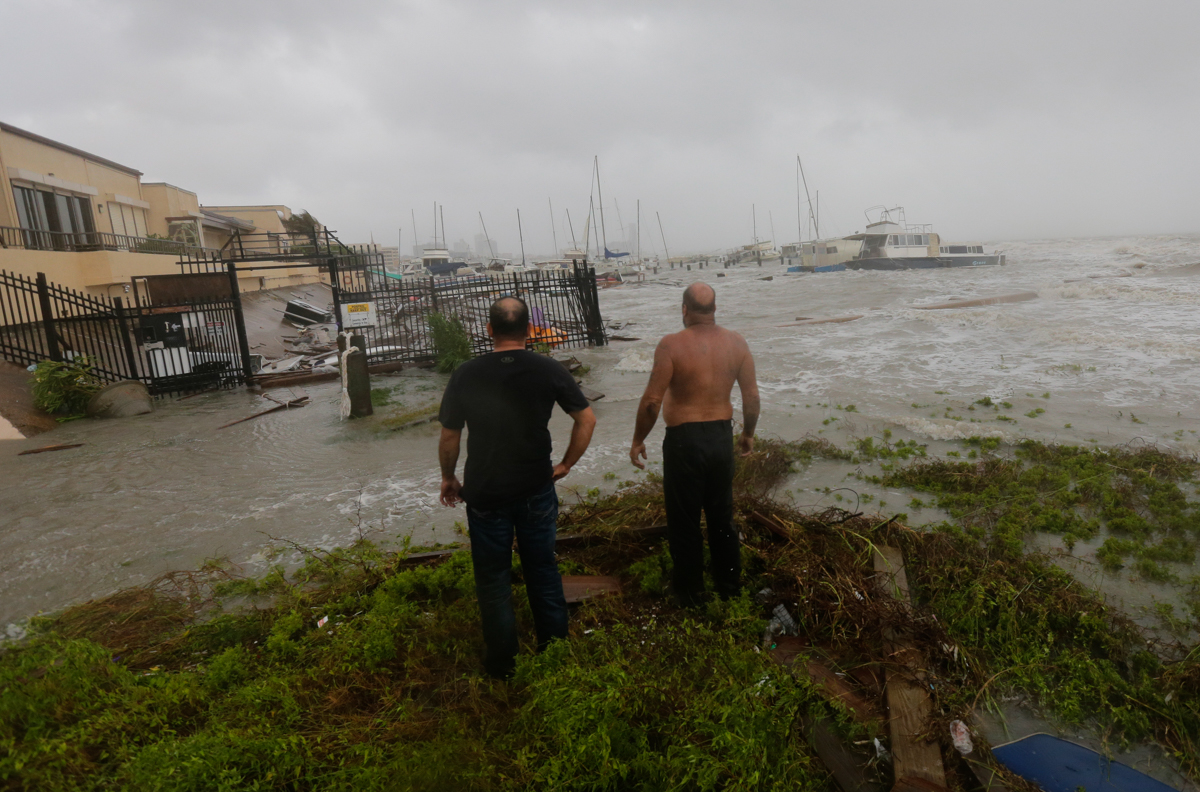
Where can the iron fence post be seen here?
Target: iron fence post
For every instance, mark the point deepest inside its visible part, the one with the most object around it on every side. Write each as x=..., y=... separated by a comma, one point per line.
x=336, y=287
x=43, y=290
x=126, y=340
x=240, y=322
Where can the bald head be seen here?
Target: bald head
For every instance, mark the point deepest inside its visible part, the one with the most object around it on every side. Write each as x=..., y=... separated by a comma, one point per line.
x=699, y=298
x=509, y=318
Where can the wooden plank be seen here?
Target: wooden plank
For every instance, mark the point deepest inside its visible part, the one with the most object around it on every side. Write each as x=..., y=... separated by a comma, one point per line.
x=829, y=320
x=849, y=768
x=577, y=588
x=294, y=403
x=1005, y=298
x=836, y=688
x=909, y=703
x=771, y=525
x=44, y=449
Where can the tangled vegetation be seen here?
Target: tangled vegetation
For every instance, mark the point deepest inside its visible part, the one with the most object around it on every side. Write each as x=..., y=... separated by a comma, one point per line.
x=1136, y=493
x=360, y=670
x=451, y=342
x=64, y=388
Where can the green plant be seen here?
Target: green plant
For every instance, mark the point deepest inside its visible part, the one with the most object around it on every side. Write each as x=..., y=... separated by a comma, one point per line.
x=450, y=341
x=63, y=389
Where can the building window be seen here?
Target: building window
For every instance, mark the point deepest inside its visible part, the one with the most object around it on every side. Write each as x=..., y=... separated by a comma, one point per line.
x=46, y=211
x=127, y=221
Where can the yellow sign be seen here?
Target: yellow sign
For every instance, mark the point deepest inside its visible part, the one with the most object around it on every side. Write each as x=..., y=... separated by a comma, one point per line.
x=358, y=315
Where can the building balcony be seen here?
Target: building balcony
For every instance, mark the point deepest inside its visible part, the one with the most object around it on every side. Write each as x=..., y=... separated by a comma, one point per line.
x=85, y=241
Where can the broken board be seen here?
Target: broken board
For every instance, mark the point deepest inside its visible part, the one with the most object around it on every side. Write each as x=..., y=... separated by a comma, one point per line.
x=909, y=706
x=577, y=588
x=1005, y=298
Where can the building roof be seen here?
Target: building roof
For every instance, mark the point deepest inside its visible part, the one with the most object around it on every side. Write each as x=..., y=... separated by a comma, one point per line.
x=45, y=141
x=232, y=222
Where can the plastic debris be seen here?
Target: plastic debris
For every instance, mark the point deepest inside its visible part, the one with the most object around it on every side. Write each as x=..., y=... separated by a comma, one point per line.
x=321, y=622
x=880, y=751
x=785, y=620
x=961, y=736
x=764, y=596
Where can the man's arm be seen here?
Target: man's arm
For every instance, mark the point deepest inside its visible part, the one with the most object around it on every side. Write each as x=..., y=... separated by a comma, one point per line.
x=652, y=398
x=748, y=385
x=448, y=447
x=581, y=436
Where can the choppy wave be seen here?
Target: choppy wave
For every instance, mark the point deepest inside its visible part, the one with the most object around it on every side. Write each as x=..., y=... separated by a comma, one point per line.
x=946, y=430
x=641, y=361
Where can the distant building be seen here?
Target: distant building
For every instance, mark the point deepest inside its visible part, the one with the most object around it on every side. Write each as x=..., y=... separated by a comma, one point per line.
x=91, y=224
x=391, y=257
x=481, y=246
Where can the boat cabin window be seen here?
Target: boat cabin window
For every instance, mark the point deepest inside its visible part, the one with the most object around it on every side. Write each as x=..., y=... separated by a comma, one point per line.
x=831, y=249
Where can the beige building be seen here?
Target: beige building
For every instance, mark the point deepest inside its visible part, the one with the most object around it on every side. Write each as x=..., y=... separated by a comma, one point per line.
x=91, y=224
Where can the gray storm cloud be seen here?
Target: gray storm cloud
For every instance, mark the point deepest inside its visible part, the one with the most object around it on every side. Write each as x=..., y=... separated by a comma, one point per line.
x=998, y=121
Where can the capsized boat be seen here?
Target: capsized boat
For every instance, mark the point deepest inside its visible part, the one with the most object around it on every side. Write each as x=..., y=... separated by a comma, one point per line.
x=892, y=243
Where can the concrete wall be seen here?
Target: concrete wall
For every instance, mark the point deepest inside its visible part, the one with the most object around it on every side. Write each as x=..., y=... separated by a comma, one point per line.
x=51, y=163
x=106, y=272
x=167, y=200
x=265, y=218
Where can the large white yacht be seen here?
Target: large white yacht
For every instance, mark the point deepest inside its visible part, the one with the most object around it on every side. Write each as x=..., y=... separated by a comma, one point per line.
x=889, y=243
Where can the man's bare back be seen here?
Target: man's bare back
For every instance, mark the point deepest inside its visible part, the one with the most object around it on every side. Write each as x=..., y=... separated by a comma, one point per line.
x=694, y=372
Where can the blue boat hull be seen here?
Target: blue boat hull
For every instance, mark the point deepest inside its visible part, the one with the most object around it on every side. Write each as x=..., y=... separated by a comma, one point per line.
x=1060, y=766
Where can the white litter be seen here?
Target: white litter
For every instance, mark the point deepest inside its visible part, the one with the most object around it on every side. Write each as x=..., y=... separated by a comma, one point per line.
x=961, y=736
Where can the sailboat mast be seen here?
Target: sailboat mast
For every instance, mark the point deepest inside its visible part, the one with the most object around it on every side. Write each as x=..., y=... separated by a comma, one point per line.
x=799, y=228
x=639, y=229
x=754, y=220
x=600, y=195
x=664, y=237
x=811, y=215
x=553, y=230
x=522, y=235
x=574, y=245
x=416, y=236
x=435, y=244
x=485, y=236
x=442, y=212
x=771, y=217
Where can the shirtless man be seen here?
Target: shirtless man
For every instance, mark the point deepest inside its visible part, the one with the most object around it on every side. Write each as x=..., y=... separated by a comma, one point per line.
x=693, y=375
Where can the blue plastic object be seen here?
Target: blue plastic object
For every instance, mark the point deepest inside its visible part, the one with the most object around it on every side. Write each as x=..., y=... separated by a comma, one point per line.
x=1060, y=766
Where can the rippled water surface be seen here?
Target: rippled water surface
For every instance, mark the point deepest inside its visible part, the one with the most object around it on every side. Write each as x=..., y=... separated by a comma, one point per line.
x=1116, y=355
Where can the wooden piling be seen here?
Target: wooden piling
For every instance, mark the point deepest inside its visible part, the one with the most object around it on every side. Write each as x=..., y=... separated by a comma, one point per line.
x=357, y=378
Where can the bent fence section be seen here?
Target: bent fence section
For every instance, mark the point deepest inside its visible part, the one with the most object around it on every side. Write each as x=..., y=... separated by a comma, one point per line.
x=170, y=348
x=563, y=306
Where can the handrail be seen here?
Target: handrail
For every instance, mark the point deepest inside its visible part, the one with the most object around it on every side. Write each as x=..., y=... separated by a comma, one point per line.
x=83, y=241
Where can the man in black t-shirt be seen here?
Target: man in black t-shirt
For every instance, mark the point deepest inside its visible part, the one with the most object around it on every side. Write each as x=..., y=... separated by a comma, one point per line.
x=505, y=399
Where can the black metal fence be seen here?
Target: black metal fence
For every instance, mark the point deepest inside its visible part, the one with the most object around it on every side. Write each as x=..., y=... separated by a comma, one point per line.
x=83, y=241
x=170, y=348
x=563, y=305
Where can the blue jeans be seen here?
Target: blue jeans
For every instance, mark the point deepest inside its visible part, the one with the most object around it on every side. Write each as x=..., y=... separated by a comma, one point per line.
x=535, y=523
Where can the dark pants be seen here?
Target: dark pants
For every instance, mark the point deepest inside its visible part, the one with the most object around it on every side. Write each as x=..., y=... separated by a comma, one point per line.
x=535, y=522
x=698, y=474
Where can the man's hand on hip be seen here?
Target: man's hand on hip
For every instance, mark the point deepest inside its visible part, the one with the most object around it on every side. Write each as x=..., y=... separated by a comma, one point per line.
x=450, y=488
x=560, y=471
x=746, y=444
x=635, y=451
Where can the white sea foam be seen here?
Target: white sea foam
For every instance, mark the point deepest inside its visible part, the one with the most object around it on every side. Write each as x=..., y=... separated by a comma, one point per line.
x=638, y=360
x=946, y=430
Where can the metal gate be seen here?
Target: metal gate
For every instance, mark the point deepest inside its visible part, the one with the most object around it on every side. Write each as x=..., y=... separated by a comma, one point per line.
x=172, y=348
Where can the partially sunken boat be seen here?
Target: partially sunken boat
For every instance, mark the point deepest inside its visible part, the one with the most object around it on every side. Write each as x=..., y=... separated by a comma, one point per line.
x=891, y=245
x=888, y=244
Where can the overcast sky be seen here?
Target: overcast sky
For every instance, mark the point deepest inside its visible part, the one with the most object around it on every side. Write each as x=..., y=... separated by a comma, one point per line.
x=993, y=121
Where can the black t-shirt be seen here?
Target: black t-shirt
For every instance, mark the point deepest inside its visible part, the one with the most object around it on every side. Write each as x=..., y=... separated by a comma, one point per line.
x=505, y=400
